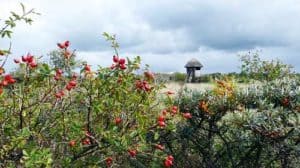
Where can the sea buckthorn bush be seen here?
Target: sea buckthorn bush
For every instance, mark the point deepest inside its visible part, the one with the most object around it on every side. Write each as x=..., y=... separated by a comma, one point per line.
x=254, y=126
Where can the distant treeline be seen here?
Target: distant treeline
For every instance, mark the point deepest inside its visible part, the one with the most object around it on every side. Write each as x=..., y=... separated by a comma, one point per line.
x=207, y=78
x=252, y=68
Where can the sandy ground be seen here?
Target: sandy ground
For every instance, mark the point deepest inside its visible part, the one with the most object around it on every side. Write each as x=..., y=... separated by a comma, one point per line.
x=174, y=86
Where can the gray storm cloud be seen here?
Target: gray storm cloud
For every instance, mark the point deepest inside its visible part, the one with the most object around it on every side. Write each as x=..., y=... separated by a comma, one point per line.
x=165, y=33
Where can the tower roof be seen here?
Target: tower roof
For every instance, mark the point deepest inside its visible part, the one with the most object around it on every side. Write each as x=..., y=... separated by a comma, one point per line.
x=193, y=63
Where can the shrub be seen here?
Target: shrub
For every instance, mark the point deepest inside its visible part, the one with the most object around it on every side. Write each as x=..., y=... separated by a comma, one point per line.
x=179, y=77
x=50, y=116
x=254, y=127
x=206, y=78
x=253, y=67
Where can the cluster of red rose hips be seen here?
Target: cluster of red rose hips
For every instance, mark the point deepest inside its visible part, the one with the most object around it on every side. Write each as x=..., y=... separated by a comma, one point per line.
x=71, y=84
x=169, y=161
x=118, y=63
x=132, y=152
x=59, y=94
x=88, y=71
x=7, y=80
x=86, y=140
x=58, y=74
x=28, y=59
x=87, y=68
x=118, y=120
x=143, y=85
x=162, y=118
x=285, y=102
x=159, y=147
x=72, y=143
x=108, y=161
x=64, y=46
x=161, y=121
x=173, y=110
x=187, y=115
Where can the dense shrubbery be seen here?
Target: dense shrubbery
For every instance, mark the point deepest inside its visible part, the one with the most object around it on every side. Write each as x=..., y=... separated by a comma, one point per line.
x=254, y=68
x=179, y=77
x=100, y=118
x=51, y=116
x=257, y=126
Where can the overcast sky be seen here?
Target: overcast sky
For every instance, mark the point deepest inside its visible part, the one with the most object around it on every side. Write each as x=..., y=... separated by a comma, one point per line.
x=165, y=33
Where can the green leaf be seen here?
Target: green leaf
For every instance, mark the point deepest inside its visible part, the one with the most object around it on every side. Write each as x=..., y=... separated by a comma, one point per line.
x=25, y=153
x=156, y=136
x=133, y=134
x=28, y=20
x=17, y=17
x=23, y=8
x=6, y=33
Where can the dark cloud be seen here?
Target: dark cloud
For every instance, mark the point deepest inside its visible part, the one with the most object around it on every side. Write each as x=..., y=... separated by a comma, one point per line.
x=225, y=25
x=166, y=33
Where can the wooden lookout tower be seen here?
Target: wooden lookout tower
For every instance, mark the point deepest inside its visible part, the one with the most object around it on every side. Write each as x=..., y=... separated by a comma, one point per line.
x=191, y=67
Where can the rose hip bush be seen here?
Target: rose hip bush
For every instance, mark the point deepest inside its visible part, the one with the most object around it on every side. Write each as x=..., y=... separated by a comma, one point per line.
x=107, y=117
